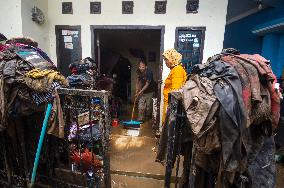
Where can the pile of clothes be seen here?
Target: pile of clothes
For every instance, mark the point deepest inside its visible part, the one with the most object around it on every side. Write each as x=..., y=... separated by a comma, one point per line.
x=85, y=137
x=86, y=141
x=83, y=73
x=28, y=79
x=232, y=105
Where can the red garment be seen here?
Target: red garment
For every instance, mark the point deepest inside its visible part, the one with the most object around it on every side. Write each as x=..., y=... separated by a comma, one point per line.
x=261, y=64
x=74, y=70
x=265, y=71
x=86, y=159
x=3, y=47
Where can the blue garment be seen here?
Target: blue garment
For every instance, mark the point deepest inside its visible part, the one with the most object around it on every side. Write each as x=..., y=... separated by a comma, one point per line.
x=88, y=133
x=79, y=80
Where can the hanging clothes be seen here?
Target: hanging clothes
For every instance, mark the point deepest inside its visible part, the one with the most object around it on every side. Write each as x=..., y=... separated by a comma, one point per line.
x=232, y=108
x=265, y=72
x=42, y=81
x=56, y=121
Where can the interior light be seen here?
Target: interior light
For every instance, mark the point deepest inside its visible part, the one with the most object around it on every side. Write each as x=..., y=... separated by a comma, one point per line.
x=259, y=4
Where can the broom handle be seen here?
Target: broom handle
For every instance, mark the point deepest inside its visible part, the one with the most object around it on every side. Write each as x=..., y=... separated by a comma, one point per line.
x=40, y=142
x=133, y=109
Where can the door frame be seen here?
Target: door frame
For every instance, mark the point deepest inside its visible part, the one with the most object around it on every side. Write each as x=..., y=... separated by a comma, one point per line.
x=60, y=27
x=93, y=29
x=201, y=28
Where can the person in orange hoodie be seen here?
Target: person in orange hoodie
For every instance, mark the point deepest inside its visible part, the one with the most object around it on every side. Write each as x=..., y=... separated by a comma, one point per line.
x=176, y=77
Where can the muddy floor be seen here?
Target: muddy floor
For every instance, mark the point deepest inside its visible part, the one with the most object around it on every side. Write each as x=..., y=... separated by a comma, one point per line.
x=133, y=159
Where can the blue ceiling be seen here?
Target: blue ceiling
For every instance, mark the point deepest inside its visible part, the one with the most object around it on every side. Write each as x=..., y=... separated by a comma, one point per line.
x=238, y=7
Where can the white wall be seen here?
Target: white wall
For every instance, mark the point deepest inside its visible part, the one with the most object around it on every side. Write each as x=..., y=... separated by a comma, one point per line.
x=211, y=14
x=30, y=28
x=15, y=20
x=10, y=19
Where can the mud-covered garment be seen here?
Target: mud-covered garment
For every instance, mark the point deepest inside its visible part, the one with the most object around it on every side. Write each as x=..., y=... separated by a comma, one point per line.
x=266, y=75
x=261, y=169
x=56, y=121
x=226, y=80
x=198, y=98
x=42, y=81
x=245, y=81
x=231, y=116
x=39, y=97
x=261, y=111
x=237, y=152
x=254, y=93
x=9, y=71
x=27, y=81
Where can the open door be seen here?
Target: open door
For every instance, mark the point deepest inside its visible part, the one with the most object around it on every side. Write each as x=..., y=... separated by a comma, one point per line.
x=68, y=46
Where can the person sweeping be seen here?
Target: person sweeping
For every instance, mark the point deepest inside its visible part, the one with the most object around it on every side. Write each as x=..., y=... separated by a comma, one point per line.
x=144, y=90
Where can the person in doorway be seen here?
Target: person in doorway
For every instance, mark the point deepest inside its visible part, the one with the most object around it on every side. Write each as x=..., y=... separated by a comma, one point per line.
x=144, y=90
x=176, y=77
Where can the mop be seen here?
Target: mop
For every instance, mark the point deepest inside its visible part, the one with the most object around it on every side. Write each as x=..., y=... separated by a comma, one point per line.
x=132, y=123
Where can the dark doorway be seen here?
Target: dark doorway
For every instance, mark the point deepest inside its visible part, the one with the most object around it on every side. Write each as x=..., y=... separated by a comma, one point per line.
x=68, y=46
x=118, y=48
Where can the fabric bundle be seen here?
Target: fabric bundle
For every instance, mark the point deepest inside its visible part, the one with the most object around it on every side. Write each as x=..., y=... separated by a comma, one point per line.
x=28, y=79
x=235, y=96
x=232, y=108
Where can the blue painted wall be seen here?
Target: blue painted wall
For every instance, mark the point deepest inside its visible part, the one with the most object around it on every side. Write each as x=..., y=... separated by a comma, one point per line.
x=270, y=46
x=239, y=35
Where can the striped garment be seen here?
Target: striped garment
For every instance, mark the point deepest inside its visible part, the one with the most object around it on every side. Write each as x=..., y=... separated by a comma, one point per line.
x=39, y=97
